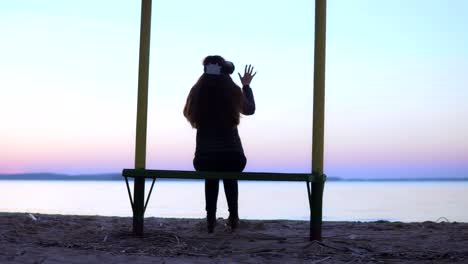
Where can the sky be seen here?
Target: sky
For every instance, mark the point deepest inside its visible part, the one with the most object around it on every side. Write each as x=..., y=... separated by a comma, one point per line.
x=396, y=84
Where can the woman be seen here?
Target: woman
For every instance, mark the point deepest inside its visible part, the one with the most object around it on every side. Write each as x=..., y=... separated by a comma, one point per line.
x=213, y=107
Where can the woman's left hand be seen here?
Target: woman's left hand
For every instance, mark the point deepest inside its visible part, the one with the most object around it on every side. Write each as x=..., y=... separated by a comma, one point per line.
x=248, y=76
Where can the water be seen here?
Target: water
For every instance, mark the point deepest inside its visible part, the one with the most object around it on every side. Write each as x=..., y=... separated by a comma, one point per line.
x=343, y=201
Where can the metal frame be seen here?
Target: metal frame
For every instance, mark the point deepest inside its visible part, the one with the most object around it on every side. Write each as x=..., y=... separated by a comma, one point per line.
x=314, y=190
x=311, y=180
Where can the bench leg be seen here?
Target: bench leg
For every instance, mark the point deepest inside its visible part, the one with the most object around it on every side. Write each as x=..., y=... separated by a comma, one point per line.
x=315, y=204
x=139, y=206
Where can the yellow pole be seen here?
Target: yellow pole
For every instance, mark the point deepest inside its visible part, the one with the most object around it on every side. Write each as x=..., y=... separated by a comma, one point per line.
x=318, y=117
x=142, y=109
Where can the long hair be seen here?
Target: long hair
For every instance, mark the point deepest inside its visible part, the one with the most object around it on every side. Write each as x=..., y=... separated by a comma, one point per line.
x=214, y=99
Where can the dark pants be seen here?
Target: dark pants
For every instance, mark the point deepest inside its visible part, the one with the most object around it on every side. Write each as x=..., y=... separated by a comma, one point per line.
x=233, y=162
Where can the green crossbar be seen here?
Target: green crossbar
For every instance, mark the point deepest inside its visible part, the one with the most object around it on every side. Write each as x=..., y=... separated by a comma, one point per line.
x=249, y=176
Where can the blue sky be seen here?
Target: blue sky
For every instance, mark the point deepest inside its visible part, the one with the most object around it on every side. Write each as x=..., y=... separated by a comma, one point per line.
x=395, y=101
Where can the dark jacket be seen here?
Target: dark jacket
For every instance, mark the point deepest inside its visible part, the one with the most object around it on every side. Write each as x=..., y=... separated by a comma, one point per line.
x=215, y=140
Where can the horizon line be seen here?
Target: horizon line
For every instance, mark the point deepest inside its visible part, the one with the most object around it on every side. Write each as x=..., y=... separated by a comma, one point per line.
x=113, y=176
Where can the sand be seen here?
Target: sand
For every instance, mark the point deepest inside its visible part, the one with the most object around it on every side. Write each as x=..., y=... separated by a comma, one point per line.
x=36, y=238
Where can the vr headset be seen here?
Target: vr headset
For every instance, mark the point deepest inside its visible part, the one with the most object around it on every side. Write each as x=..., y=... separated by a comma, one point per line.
x=216, y=69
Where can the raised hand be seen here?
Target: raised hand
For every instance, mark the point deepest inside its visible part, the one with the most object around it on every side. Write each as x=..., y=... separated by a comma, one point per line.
x=248, y=76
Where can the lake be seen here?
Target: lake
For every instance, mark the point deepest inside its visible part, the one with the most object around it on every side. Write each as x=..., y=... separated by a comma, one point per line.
x=406, y=201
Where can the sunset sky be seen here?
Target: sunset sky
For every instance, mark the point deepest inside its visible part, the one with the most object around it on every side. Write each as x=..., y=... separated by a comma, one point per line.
x=396, y=84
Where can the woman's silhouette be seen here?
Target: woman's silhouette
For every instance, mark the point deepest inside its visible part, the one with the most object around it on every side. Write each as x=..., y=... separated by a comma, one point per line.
x=213, y=107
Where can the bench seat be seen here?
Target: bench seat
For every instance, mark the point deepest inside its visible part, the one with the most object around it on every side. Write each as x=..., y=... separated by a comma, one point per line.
x=250, y=176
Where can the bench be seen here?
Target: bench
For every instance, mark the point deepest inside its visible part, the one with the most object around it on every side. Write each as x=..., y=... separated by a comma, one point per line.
x=314, y=182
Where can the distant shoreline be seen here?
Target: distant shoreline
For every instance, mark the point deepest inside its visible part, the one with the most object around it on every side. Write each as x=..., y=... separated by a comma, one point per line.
x=118, y=177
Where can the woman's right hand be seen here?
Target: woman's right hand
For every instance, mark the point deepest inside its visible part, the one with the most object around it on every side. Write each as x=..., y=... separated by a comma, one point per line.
x=248, y=76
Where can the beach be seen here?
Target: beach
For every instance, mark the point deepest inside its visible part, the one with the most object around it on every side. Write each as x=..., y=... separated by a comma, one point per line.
x=40, y=238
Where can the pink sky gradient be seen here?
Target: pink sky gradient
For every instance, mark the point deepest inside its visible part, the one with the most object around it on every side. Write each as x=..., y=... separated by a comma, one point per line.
x=396, y=85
